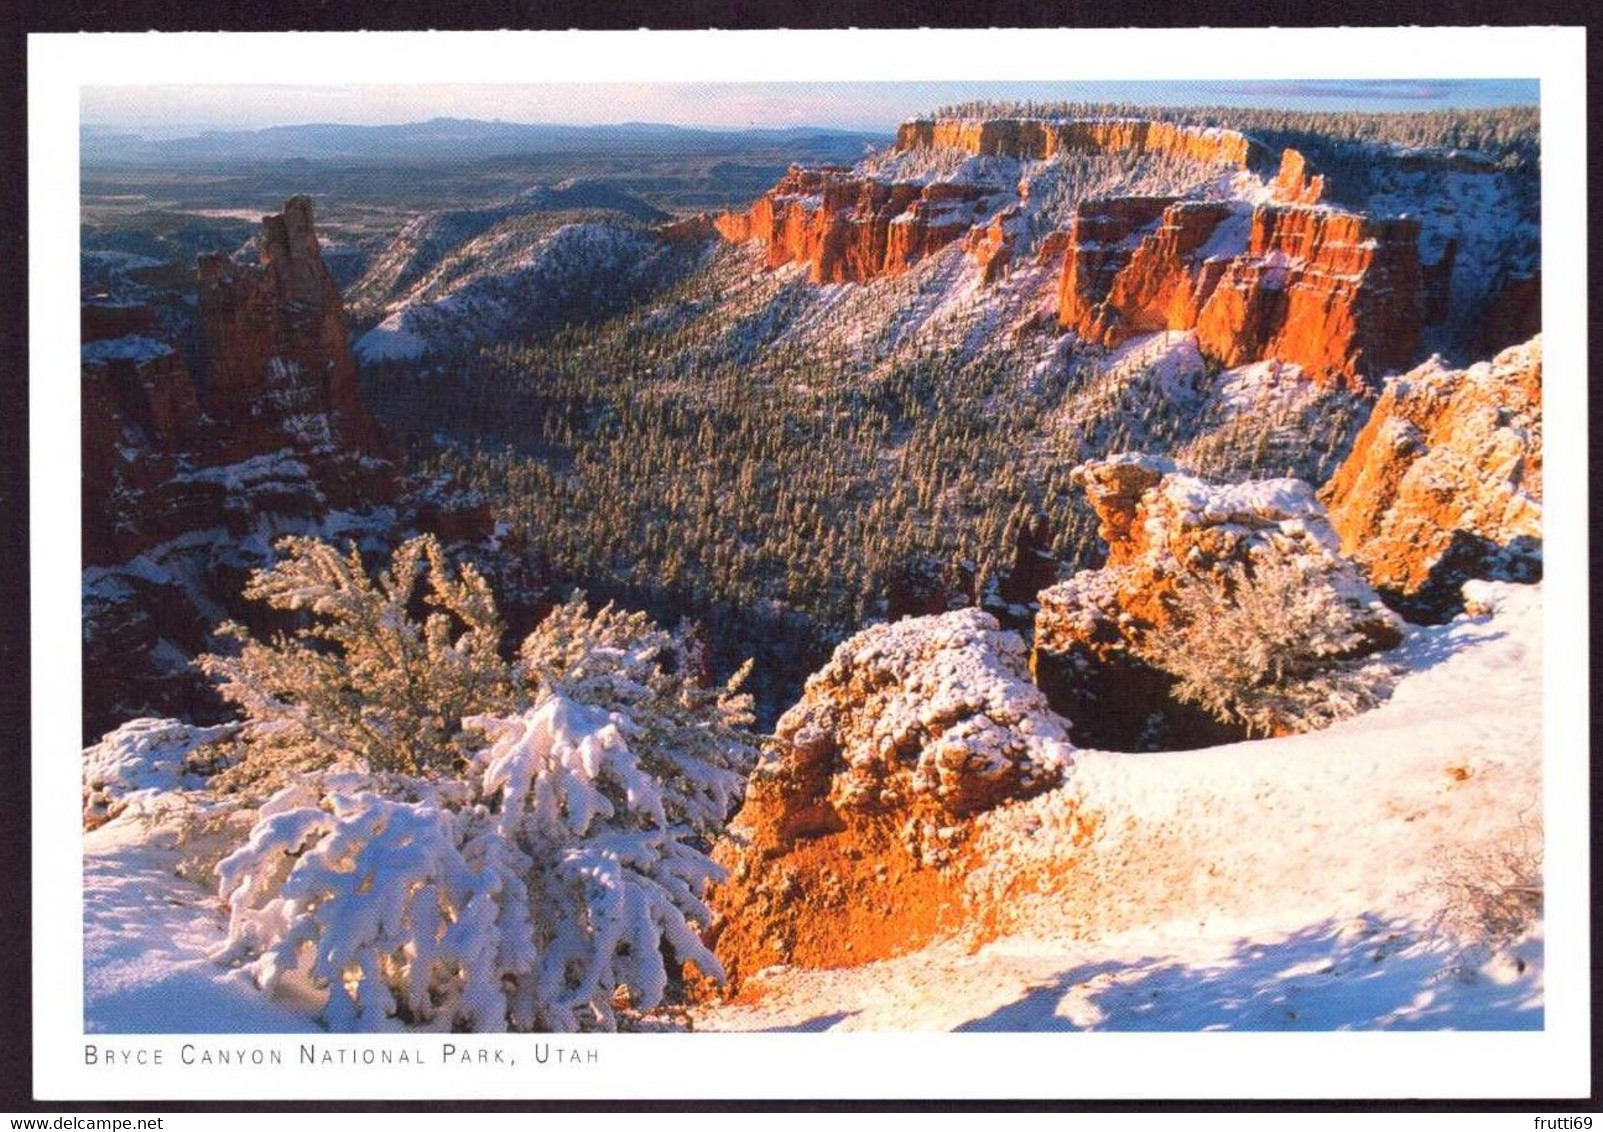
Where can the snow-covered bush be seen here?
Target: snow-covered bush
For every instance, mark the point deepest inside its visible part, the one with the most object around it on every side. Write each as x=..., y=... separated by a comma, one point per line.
x=363, y=683
x=529, y=866
x=559, y=874
x=690, y=738
x=1271, y=645
x=149, y=754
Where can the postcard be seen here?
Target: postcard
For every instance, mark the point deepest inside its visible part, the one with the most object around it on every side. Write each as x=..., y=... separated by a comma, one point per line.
x=788, y=564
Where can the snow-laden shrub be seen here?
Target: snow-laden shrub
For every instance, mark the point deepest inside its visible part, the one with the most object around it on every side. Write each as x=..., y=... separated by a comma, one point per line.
x=689, y=737
x=469, y=841
x=557, y=878
x=363, y=683
x=149, y=754
x=1271, y=645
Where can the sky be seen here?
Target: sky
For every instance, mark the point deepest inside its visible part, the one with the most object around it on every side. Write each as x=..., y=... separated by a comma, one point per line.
x=178, y=110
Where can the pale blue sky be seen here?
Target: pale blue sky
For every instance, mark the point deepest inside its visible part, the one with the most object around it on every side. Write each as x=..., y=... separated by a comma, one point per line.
x=859, y=105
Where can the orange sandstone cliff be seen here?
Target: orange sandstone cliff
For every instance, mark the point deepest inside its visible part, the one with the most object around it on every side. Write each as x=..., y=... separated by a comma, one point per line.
x=275, y=334
x=180, y=474
x=1335, y=292
x=1039, y=139
x=852, y=228
x=848, y=228
x=1444, y=482
x=851, y=842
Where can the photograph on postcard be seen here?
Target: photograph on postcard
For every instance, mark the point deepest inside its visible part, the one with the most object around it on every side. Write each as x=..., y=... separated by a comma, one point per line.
x=910, y=556
x=1060, y=558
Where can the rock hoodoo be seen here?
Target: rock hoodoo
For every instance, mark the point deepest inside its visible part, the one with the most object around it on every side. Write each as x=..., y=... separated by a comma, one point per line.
x=273, y=337
x=850, y=838
x=1160, y=525
x=1294, y=184
x=186, y=483
x=1335, y=292
x=1444, y=482
x=277, y=413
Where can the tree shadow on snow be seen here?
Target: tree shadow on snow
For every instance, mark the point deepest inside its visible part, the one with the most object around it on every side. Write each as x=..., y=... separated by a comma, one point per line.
x=1359, y=974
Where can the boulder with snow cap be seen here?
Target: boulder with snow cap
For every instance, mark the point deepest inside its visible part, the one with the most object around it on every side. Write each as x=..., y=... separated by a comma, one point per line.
x=934, y=706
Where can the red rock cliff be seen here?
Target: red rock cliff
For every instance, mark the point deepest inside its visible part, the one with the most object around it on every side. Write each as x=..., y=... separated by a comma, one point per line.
x=1161, y=525
x=850, y=844
x=194, y=480
x=1337, y=293
x=1445, y=479
x=273, y=337
x=849, y=228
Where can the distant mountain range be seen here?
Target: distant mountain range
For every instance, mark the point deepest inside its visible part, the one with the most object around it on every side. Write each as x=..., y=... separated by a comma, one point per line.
x=454, y=139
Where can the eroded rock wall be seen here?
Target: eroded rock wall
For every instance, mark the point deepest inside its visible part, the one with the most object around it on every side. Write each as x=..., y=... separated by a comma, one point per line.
x=1337, y=293
x=849, y=229
x=1040, y=139
x=1444, y=481
x=1162, y=525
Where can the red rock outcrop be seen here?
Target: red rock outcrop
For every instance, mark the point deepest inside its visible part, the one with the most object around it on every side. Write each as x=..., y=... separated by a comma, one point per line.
x=1053, y=246
x=991, y=244
x=1039, y=139
x=1444, y=481
x=1337, y=293
x=851, y=229
x=1161, y=525
x=1137, y=264
x=179, y=475
x=278, y=390
x=849, y=846
x=1293, y=184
